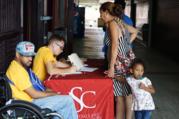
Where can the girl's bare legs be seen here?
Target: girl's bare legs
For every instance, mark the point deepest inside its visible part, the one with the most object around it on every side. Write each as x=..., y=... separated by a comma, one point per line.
x=120, y=107
x=128, y=106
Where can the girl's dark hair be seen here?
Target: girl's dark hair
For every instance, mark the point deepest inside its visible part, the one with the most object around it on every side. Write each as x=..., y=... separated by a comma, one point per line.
x=137, y=61
x=113, y=9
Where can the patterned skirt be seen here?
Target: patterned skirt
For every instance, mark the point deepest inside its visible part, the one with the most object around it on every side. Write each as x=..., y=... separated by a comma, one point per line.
x=121, y=88
x=122, y=69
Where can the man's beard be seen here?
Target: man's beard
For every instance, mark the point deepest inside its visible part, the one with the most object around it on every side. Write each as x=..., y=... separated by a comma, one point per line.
x=26, y=65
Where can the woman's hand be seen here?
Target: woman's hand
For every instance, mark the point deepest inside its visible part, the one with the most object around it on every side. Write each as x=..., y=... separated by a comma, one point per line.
x=110, y=72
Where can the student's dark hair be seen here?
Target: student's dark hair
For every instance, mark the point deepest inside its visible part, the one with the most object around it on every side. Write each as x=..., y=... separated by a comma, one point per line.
x=113, y=9
x=137, y=61
x=56, y=37
x=121, y=2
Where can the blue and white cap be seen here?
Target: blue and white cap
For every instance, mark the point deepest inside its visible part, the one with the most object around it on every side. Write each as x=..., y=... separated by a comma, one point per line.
x=25, y=48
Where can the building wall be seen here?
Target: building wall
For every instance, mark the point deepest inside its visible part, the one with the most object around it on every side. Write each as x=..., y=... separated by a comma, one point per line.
x=9, y=31
x=165, y=27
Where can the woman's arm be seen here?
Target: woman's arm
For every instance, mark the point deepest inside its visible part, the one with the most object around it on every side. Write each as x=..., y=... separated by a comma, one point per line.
x=133, y=31
x=114, y=35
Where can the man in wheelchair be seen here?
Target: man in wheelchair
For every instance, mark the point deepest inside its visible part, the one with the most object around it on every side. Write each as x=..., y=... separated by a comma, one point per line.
x=26, y=86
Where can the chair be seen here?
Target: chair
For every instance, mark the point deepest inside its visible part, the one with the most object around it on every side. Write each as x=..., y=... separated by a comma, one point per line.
x=19, y=109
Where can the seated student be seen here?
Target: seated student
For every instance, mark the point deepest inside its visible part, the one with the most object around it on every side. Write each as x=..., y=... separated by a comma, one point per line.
x=24, y=88
x=45, y=60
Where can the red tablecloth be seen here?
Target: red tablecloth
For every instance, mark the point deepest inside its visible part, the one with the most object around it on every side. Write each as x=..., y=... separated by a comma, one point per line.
x=92, y=93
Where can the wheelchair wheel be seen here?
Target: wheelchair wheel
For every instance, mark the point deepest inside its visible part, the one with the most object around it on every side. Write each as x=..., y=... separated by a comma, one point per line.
x=20, y=111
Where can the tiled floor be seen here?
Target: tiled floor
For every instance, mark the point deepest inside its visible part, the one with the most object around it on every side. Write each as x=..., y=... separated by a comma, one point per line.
x=91, y=45
x=163, y=72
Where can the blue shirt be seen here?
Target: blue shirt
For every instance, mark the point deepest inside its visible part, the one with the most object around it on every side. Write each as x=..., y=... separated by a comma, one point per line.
x=36, y=83
x=127, y=20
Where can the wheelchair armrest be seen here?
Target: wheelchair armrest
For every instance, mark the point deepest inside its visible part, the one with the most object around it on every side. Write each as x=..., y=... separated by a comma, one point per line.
x=26, y=103
x=45, y=111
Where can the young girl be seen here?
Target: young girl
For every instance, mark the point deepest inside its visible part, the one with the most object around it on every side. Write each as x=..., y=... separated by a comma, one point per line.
x=141, y=89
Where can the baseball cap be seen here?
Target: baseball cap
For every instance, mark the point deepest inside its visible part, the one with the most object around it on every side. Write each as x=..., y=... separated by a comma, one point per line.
x=25, y=48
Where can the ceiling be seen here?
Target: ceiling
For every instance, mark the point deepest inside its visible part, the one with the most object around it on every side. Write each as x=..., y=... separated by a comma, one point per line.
x=102, y=1
x=93, y=1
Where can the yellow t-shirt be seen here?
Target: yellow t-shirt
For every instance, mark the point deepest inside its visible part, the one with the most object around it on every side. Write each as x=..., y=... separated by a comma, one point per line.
x=43, y=56
x=20, y=77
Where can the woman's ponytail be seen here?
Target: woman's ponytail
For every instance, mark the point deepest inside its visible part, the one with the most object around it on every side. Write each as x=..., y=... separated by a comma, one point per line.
x=117, y=10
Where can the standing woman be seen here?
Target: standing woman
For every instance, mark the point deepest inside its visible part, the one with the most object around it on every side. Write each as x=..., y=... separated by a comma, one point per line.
x=120, y=54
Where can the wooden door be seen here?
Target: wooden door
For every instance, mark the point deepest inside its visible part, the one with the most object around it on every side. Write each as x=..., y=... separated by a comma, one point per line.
x=33, y=25
x=10, y=30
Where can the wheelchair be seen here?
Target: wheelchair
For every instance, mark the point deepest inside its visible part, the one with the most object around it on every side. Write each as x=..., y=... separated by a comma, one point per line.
x=19, y=109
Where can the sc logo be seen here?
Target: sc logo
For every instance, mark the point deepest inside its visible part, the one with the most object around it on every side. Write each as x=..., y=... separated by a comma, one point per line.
x=80, y=100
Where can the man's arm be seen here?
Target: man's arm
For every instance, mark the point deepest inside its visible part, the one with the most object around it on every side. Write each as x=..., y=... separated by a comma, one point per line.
x=53, y=69
x=50, y=90
x=61, y=64
x=38, y=94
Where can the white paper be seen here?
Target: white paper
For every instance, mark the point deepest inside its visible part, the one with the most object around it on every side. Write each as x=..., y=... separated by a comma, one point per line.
x=85, y=65
x=72, y=73
x=88, y=69
x=75, y=60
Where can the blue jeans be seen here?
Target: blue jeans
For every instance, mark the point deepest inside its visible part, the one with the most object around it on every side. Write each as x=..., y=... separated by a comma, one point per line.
x=143, y=114
x=62, y=104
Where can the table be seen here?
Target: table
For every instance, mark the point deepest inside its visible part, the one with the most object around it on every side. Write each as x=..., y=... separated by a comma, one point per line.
x=92, y=92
